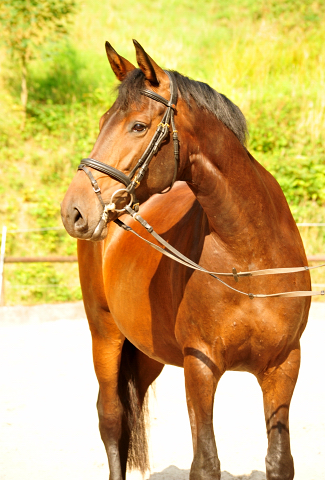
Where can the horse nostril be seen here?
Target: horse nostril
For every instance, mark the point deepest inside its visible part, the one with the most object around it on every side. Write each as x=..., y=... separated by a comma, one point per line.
x=80, y=222
x=77, y=215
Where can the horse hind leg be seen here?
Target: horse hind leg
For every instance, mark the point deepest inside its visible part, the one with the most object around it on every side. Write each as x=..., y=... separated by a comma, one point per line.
x=201, y=379
x=277, y=385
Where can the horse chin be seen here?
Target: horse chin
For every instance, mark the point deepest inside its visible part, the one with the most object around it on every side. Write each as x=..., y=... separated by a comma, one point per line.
x=100, y=232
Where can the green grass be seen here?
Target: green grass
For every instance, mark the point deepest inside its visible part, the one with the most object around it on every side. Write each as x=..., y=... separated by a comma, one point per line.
x=265, y=55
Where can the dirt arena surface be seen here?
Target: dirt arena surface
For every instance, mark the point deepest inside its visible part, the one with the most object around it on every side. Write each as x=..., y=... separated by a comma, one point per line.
x=49, y=420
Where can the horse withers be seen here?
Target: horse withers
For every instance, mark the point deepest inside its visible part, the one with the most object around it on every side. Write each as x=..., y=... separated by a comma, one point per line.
x=145, y=310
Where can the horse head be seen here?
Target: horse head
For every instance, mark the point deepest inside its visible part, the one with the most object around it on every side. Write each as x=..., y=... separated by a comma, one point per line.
x=134, y=131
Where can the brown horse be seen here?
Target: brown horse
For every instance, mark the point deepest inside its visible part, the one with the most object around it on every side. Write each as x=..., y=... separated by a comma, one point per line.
x=144, y=309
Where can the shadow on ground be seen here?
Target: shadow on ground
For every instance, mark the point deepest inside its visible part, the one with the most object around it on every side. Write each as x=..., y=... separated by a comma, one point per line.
x=174, y=473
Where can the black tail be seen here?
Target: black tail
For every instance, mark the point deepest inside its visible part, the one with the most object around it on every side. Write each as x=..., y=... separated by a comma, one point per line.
x=135, y=412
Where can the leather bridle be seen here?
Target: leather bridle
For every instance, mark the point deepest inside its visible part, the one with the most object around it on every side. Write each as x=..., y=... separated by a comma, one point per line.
x=132, y=181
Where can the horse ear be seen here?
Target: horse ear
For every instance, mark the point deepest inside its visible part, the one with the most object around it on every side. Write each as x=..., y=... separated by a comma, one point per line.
x=120, y=66
x=151, y=70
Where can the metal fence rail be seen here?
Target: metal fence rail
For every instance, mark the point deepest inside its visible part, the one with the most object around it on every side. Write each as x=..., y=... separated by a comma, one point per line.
x=73, y=258
x=51, y=259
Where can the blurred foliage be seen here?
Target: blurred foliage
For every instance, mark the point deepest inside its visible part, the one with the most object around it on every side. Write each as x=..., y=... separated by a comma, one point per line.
x=46, y=283
x=27, y=24
x=265, y=55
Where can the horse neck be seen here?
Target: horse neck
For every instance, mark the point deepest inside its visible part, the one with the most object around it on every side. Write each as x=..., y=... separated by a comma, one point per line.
x=237, y=194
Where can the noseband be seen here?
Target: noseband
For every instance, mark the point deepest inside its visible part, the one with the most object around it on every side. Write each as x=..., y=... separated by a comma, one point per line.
x=132, y=181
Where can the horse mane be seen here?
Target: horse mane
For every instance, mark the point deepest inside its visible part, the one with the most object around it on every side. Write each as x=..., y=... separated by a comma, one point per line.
x=203, y=95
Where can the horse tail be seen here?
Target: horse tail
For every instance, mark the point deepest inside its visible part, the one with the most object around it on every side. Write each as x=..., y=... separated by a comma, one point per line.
x=135, y=410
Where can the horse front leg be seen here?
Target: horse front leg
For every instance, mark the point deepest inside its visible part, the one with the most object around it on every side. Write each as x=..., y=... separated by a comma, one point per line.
x=277, y=385
x=124, y=375
x=201, y=379
x=107, y=344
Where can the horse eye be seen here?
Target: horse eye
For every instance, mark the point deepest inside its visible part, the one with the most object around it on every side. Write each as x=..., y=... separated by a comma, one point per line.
x=138, y=127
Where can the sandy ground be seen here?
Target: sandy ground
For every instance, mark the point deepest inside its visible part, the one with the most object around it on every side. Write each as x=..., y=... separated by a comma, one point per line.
x=49, y=420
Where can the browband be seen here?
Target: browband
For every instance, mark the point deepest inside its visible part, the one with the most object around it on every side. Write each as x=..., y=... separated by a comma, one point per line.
x=159, y=98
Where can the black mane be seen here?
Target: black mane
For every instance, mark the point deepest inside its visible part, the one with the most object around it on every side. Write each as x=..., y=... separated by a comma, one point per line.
x=203, y=95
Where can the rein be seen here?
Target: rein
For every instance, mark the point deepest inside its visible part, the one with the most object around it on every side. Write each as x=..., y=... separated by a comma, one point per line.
x=132, y=181
x=180, y=258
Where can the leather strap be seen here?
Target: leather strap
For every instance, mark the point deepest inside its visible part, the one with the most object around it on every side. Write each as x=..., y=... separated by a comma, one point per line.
x=107, y=169
x=180, y=258
x=94, y=183
x=159, y=98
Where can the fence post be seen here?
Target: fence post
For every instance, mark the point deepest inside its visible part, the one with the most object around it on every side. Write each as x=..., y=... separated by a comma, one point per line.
x=2, y=259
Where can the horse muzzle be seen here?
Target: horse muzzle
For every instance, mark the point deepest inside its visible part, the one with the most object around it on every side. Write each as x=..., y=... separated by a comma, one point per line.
x=85, y=218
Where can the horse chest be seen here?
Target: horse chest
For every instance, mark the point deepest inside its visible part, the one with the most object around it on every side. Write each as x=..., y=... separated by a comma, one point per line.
x=142, y=302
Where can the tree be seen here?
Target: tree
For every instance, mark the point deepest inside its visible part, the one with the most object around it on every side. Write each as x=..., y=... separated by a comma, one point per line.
x=27, y=25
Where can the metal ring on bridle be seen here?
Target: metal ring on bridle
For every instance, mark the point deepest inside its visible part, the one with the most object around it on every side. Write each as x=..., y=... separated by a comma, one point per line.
x=122, y=190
